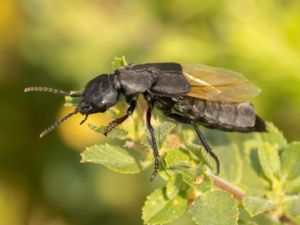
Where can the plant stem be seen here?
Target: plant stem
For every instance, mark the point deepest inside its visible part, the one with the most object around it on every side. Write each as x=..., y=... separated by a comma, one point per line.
x=225, y=185
x=286, y=220
x=240, y=194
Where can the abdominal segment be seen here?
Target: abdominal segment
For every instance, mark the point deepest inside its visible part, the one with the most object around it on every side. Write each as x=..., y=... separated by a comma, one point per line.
x=219, y=115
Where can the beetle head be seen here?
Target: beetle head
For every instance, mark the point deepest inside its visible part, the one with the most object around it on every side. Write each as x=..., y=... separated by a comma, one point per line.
x=98, y=96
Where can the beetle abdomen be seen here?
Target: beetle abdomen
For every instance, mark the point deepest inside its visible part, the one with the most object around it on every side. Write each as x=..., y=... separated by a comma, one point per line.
x=224, y=116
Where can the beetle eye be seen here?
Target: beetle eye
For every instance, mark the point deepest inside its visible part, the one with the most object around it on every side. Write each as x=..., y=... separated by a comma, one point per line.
x=90, y=108
x=85, y=108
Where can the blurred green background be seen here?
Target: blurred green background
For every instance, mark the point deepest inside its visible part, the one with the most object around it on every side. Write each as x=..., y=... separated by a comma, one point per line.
x=64, y=43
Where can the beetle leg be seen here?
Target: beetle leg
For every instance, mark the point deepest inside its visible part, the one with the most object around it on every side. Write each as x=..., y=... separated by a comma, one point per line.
x=181, y=119
x=153, y=142
x=207, y=147
x=120, y=120
x=150, y=102
x=85, y=118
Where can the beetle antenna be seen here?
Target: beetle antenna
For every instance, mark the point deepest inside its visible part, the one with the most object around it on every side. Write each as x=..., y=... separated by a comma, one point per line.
x=52, y=90
x=57, y=123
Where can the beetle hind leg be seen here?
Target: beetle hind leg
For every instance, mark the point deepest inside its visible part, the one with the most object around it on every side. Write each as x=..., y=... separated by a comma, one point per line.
x=181, y=119
x=207, y=147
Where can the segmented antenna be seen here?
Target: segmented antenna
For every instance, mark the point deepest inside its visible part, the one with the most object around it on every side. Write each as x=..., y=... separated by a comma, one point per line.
x=52, y=90
x=56, y=124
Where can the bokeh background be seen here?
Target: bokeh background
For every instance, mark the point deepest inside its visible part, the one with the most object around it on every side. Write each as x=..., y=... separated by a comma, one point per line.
x=64, y=43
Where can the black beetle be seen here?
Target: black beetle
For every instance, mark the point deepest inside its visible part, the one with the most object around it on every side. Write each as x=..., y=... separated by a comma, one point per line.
x=214, y=97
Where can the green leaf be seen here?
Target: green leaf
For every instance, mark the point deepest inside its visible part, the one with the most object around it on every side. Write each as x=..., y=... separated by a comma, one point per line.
x=232, y=171
x=261, y=219
x=215, y=208
x=71, y=101
x=173, y=186
x=199, y=154
x=292, y=207
x=115, y=133
x=116, y=157
x=247, y=223
x=252, y=180
x=256, y=205
x=269, y=160
x=159, y=209
x=290, y=160
x=197, y=179
x=272, y=136
x=292, y=186
x=162, y=131
x=178, y=158
x=119, y=62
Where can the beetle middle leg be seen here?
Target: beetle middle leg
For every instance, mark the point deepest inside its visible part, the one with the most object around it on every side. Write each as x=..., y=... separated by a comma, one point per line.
x=150, y=103
x=153, y=143
x=120, y=120
x=182, y=119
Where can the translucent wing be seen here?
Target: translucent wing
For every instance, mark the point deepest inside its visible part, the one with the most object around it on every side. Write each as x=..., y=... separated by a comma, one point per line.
x=218, y=84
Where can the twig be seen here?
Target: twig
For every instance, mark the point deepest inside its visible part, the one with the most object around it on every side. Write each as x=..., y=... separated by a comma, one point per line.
x=286, y=220
x=240, y=194
x=225, y=185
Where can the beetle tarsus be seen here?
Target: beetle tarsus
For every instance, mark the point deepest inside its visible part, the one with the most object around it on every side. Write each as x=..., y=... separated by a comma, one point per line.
x=206, y=146
x=156, y=166
x=112, y=125
x=120, y=120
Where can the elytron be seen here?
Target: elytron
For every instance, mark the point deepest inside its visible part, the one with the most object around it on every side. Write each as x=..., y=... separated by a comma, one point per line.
x=193, y=94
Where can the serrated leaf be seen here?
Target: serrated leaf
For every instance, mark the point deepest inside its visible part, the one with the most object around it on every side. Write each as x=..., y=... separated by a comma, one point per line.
x=290, y=160
x=256, y=205
x=178, y=158
x=232, y=171
x=292, y=186
x=200, y=155
x=273, y=136
x=292, y=206
x=119, y=62
x=252, y=180
x=269, y=160
x=173, y=187
x=244, y=218
x=115, y=133
x=261, y=219
x=215, y=208
x=162, y=131
x=198, y=180
x=158, y=209
x=116, y=158
x=247, y=223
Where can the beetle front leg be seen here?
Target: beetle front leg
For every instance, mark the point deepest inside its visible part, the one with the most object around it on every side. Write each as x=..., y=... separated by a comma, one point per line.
x=120, y=120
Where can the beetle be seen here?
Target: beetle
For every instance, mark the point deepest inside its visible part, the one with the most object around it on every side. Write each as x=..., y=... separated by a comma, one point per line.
x=187, y=93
